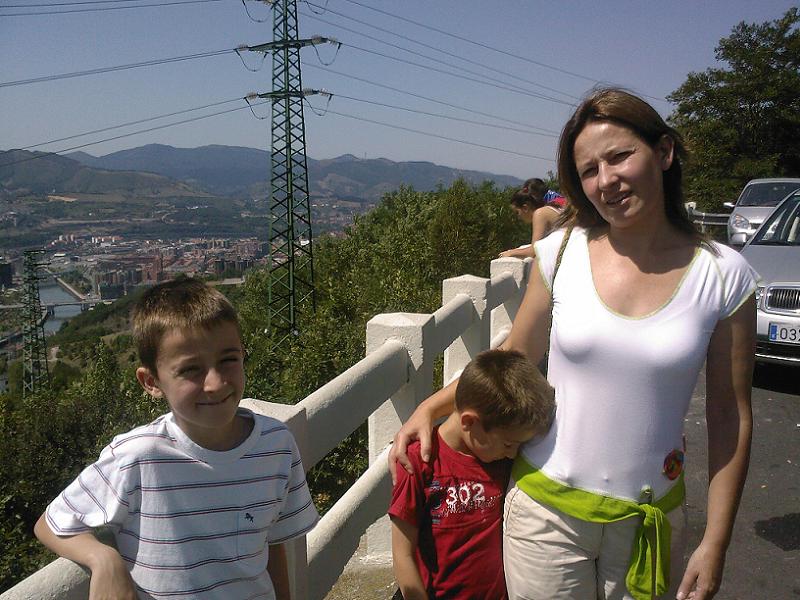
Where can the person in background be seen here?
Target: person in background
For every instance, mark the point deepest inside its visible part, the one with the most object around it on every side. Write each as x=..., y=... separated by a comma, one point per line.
x=202, y=499
x=539, y=206
x=447, y=516
x=640, y=301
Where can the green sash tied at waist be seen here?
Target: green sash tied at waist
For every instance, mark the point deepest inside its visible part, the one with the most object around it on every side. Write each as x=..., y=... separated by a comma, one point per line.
x=648, y=574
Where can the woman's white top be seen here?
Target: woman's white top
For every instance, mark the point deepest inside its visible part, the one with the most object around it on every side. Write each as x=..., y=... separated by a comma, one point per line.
x=623, y=385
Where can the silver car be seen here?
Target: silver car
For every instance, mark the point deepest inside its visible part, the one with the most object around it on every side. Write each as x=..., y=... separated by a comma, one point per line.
x=774, y=252
x=756, y=202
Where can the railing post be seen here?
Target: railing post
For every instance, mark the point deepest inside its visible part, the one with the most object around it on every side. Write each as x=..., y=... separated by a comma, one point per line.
x=476, y=337
x=503, y=316
x=414, y=332
x=294, y=417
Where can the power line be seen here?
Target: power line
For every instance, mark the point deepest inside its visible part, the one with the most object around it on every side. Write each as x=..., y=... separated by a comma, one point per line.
x=429, y=99
x=486, y=77
x=52, y=4
x=441, y=137
x=130, y=123
x=439, y=115
x=526, y=127
x=482, y=82
x=470, y=41
x=125, y=135
x=148, y=63
x=155, y=62
x=423, y=44
x=222, y=102
x=98, y=9
x=487, y=47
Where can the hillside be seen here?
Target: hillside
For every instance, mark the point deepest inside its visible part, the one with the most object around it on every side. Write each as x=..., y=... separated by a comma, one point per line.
x=219, y=169
x=23, y=173
x=233, y=170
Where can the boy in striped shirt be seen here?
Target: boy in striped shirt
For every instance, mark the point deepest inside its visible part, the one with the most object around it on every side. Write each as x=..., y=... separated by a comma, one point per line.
x=201, y=500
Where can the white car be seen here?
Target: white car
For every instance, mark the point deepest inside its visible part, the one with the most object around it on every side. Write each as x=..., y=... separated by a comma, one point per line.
x=756, y=202
x=774, y=252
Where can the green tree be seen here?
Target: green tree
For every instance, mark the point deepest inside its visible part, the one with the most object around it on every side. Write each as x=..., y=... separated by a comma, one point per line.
x=48, y=437
x=743, y=121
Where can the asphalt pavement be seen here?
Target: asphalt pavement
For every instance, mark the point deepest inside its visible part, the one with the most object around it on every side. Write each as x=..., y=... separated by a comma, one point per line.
x=763, y=560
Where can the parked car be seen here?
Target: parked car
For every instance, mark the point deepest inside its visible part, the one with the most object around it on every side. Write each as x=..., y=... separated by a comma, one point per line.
x=756, y=202
x=774, y=252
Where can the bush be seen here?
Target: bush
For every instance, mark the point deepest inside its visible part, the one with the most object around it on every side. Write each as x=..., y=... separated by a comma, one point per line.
x=49, y=437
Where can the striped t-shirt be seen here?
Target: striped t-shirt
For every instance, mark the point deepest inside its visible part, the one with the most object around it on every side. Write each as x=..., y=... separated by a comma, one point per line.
x=192, y=522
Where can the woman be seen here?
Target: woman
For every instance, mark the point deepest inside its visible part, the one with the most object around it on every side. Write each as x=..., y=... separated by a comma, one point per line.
x=640, y=301
x=538, y=206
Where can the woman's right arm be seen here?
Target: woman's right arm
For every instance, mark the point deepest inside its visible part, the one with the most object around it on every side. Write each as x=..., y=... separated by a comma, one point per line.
x=530, y=329
x=528, y=335
x=420, y=426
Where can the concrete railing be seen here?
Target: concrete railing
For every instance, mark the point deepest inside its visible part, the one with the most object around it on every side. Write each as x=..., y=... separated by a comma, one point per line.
x=383, y=389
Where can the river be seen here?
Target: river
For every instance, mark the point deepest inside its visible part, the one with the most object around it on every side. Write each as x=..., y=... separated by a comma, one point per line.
x=50, y=291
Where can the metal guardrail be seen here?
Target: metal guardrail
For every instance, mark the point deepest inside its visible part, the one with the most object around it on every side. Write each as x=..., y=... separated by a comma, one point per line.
x=701, y=218
x=706, y=219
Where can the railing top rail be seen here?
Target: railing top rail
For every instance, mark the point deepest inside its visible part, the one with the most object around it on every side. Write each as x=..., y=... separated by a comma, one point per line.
x=336, y=409
x=450, y=321
x=501, y=288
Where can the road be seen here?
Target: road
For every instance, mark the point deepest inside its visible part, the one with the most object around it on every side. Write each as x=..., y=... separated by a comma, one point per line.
x=764, y=557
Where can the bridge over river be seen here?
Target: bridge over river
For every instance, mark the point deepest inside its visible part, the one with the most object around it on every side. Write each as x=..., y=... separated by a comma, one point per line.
x=61, y=302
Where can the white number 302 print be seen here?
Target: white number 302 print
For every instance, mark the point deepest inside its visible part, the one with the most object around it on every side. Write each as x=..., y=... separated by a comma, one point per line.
x=464, y=494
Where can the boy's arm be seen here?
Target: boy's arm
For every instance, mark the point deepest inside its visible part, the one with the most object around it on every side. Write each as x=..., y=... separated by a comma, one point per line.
x=110, y=578
x=404, y=548
x=278, y=571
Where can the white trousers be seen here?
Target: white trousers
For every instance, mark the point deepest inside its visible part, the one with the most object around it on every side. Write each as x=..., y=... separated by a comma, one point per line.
x=549, y=555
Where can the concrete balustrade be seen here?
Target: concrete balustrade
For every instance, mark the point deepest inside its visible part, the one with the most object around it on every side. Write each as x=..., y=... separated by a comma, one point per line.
x=335, y=539
x=336, y=409
x=384, y=388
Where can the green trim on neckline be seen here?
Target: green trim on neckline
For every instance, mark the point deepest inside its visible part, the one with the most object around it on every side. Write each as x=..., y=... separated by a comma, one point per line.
x=655, y=311
x=651, y=543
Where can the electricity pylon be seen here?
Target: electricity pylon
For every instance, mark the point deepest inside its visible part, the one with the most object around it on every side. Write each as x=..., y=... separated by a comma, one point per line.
x=34, y=353
x=291, y=277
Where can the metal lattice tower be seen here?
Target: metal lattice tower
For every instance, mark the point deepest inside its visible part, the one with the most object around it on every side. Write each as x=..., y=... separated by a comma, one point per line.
x=291, y=281
x=34, y=354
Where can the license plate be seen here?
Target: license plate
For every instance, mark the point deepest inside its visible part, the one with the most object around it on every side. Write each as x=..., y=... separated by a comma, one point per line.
x=786, y=334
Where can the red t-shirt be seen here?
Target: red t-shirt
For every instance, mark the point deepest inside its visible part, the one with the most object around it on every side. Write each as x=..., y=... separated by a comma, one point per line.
x=456, y=501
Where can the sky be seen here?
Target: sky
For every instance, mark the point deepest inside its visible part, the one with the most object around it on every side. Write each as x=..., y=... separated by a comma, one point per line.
x=529, y=64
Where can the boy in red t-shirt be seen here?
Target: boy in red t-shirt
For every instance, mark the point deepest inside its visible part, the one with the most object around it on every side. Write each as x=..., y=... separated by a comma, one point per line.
x=447, y=516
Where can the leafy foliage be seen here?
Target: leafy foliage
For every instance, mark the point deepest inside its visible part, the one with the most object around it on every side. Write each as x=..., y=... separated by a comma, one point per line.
x=48, y=437
x=743, y=121
x=391, y=260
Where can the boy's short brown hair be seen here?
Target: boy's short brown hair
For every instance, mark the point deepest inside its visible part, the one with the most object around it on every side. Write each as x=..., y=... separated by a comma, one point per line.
x=506, y=390
x=177, y=304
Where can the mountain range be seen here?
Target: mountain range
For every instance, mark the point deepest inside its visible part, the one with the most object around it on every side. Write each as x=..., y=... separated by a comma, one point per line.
x=244, y=172
x=23, y=173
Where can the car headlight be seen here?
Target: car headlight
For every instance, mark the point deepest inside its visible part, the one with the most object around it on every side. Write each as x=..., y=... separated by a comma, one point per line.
x=759, y=292
x=739, y=222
